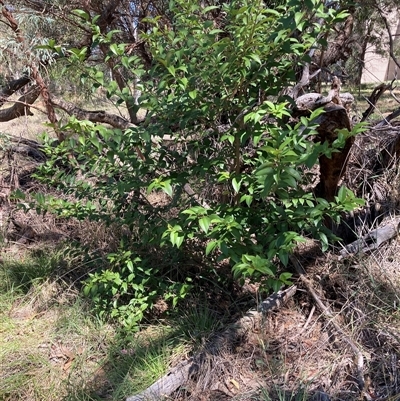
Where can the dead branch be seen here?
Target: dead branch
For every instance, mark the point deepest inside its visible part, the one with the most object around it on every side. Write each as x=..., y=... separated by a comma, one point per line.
x=98, y=116
x=374, y=97
x=11, y=87
x=93, y=116
x=392, y=115
x=388, y=118
x=21, y=107
x=333, y=321
x=180, y=374
x=372, y=240
x=44, y=91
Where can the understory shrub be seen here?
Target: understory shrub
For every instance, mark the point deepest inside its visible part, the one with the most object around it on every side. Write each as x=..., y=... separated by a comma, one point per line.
x=215, y=87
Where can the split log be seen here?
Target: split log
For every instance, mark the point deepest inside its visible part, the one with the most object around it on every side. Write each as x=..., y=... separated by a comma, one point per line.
x=181, y=373
x=332, y=169
x=372, y=240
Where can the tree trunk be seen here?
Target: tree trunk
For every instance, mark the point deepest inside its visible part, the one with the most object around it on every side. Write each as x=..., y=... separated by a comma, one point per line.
x=339, y=47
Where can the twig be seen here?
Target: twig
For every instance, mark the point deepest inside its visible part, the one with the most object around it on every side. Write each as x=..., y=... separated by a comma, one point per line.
x=309, y=318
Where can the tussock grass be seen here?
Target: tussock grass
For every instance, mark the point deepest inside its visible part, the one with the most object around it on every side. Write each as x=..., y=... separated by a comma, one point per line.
x=197, y=321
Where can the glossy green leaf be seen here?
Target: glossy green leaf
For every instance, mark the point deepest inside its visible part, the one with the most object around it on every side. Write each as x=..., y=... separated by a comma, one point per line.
x=204, y=223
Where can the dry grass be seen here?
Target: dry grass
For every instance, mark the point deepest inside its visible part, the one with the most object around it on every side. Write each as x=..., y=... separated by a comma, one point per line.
x=48, y=341
x=292, y=355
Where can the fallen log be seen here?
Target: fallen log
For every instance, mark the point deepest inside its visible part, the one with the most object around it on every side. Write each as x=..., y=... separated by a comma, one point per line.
x=372, y=240
x=181, y=373
x=21, y=107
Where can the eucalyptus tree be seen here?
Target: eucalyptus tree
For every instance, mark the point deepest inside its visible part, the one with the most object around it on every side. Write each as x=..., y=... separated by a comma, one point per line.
x=370, y=31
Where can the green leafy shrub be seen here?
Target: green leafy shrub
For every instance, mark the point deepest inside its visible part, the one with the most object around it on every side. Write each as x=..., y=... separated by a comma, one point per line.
x=216, y=90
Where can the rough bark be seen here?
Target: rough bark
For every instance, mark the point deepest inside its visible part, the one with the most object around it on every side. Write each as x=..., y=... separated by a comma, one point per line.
x=391, y=44
x=104, y=22
x=335, y=117
x=333, y=168
x=13, y=23
x=364, y=39
x=339, y=47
